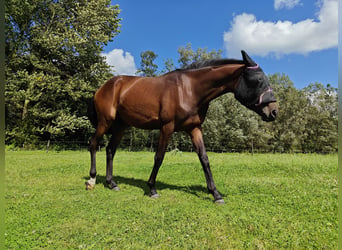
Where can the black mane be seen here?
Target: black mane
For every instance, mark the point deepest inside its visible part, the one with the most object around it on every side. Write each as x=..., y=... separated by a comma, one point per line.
x=211, y=62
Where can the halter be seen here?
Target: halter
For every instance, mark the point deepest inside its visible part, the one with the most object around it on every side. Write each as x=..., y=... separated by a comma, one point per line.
x=253, y=67
x=269, y=89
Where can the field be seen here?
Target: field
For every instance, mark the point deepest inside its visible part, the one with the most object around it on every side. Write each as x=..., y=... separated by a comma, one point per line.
x=273, y=201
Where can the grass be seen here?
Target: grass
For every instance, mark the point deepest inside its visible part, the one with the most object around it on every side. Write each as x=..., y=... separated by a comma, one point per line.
x=273, y=201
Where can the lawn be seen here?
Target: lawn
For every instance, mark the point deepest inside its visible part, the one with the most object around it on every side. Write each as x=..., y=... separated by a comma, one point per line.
x=286, y=201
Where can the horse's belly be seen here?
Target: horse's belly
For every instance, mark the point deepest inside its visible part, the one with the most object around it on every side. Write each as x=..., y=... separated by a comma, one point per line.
x=140, y=116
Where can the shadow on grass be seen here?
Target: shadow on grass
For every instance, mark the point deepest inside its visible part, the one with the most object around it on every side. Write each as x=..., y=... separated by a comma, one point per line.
x=192, y=189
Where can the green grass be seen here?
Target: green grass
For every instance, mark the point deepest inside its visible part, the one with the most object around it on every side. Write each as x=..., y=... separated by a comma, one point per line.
x=273, y=201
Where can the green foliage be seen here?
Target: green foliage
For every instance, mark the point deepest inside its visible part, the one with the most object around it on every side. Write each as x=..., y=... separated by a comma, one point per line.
x=187, y=55
x=273, y=201
x=321, y=112
x=289, y=125
x=147, y=65
x=169, y=66
x=53, y=65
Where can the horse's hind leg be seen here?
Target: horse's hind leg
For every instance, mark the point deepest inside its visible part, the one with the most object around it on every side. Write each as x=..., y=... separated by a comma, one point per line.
x=100, y=130
x=117, y=133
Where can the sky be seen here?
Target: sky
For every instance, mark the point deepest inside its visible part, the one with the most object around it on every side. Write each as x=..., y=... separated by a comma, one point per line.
x=296, y=37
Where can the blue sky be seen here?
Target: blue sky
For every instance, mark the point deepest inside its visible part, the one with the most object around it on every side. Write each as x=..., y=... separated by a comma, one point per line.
x=295, y=37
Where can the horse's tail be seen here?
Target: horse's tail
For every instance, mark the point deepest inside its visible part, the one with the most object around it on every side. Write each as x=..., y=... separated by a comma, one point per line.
x=92, y=115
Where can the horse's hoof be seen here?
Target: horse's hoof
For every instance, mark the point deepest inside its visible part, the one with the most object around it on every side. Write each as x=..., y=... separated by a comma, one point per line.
x=219, y=201
x=89, y=186
x=154, y=196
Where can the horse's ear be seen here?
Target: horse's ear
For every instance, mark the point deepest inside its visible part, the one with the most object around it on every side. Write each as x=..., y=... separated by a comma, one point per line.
x=249, y=62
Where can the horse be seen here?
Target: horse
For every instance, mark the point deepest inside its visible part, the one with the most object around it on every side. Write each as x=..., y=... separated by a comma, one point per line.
x=175, y=101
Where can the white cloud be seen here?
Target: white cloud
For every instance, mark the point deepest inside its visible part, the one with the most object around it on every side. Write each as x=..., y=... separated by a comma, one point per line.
x=284, y=37
x=288, y=4
x=123, y=62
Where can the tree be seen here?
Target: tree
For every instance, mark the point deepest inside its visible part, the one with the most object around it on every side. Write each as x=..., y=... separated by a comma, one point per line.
x=187, y=55
x=322, y=131
x=147, y=65
x=169, y=66
x=53, y=65
x=287, y=130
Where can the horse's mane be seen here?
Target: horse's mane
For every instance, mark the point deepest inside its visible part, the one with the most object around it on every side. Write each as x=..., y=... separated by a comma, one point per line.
x=207, y=63
x=211, y=62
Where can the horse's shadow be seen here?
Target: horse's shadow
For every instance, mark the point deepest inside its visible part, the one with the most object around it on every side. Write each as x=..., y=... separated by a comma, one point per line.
x=142, y=184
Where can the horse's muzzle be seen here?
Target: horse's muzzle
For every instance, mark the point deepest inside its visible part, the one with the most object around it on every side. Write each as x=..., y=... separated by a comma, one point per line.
x=270, y=112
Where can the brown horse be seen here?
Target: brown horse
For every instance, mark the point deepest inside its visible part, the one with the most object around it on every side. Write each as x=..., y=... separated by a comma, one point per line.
x=176, y=101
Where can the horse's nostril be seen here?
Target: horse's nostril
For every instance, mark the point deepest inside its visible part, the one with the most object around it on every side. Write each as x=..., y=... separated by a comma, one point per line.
x=274, y=113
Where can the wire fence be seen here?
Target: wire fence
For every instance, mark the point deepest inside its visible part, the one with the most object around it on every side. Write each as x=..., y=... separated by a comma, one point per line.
x=64, y=145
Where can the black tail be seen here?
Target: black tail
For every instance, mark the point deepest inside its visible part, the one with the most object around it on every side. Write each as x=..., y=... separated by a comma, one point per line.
x=92, y=115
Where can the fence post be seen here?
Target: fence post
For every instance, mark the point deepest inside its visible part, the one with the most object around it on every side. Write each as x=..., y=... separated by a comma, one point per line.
x=48, y=146
x=252, y=148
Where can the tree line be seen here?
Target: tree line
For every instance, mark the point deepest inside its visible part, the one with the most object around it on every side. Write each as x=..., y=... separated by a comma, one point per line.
x=54, y=65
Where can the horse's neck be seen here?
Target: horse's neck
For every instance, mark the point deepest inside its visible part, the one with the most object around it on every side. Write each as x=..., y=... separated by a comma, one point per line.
x=213, y=82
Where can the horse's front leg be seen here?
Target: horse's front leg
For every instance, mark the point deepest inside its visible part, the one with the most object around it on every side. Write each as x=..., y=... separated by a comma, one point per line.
x=164, y=137
x=197, y=140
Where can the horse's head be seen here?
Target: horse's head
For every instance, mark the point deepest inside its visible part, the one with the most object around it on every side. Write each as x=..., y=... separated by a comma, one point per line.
x=253, y=90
